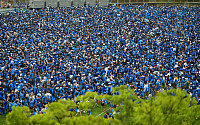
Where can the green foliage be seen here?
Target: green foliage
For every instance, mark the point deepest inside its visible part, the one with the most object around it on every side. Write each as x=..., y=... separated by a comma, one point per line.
x=86, y=101
x=90, y=95
x=84, y=105
x=168, y=107
x=87, y=120
x=99, y=97
x=19, y=116
x=172, y=106
x=124, y=103
x=2, y=120
x=41, y=119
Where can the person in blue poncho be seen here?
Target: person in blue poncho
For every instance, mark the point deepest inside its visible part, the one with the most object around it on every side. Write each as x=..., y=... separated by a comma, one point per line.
x=106, y=115
x=89, y=111
x=78, y=111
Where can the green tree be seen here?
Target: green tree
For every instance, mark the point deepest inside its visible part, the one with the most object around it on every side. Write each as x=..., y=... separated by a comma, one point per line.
x=86, y=101
x=87, y=120
x=125, y=103
x=19, y=116
x=172, y=106
x=55, y=113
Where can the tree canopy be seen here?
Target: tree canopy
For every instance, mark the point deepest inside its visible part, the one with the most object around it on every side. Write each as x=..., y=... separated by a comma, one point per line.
x=172, y=106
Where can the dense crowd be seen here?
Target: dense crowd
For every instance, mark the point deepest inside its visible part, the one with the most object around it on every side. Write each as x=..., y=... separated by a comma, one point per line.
x=60, y=53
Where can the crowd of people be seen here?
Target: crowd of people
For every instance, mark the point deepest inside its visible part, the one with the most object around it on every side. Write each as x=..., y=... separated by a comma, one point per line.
x=61, y=53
